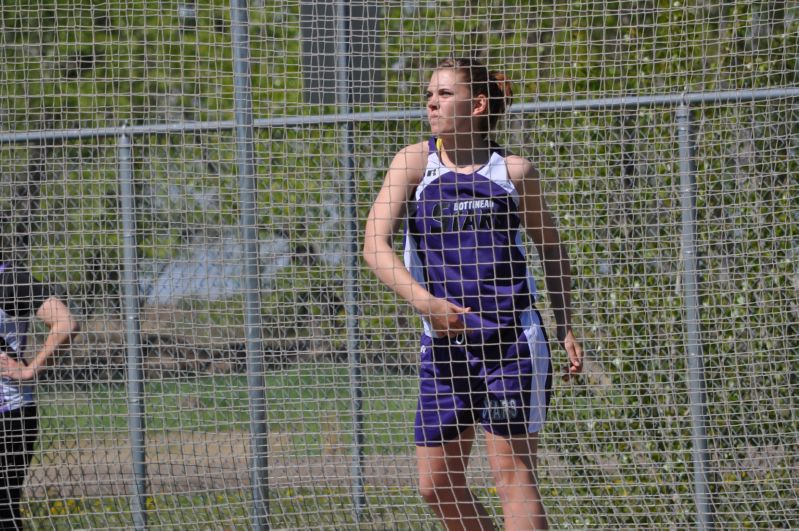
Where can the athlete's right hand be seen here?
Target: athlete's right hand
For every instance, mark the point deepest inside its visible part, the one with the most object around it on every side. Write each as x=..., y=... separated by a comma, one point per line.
x=446, y=318
x=13, y=369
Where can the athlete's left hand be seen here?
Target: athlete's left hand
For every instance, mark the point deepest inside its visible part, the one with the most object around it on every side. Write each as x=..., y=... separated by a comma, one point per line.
x=575, y=354
x=11, y=368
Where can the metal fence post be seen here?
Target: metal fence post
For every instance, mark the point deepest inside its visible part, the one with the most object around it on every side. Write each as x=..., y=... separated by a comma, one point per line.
x=245, y=155
x=696, y=376
x=130, y=297
x=352, y=262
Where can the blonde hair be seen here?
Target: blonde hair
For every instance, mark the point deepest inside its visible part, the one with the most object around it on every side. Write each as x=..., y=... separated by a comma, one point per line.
x=494, y=85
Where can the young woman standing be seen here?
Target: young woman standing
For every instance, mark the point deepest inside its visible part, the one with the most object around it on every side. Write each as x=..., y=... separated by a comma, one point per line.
x=484, y=353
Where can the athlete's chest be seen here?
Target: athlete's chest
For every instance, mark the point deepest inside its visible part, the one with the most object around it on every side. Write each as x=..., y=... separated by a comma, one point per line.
x=452, y=203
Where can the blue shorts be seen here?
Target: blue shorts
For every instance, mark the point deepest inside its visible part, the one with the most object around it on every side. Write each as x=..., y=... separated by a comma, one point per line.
x=504, y=383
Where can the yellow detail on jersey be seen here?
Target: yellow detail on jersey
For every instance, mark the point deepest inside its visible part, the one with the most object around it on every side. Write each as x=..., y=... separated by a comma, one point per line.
x=439, y=144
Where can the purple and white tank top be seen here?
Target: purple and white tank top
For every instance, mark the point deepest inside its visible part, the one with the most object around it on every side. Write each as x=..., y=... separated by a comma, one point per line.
x=463, y=242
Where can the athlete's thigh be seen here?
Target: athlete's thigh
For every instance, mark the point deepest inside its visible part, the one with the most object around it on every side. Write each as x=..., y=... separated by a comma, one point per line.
x=444, y=409
x=449, y=458
x=516, y=454
x=518, y=389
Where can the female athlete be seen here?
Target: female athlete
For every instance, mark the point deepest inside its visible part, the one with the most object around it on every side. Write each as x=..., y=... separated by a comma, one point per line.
x=484, y=354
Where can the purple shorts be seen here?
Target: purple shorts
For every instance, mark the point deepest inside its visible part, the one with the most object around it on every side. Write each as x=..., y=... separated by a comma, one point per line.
x=503, y=382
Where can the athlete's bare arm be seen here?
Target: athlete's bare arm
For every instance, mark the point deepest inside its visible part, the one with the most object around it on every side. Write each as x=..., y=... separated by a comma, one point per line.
x=61, y=325
x=403, y=176
x=541, y=227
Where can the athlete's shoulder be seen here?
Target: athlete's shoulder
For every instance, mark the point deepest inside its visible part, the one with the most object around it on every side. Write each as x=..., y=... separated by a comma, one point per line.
x=520, y=169
x=419, y=150
x=411, y=161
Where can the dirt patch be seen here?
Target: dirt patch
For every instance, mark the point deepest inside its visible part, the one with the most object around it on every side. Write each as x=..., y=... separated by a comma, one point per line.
x=195, y=462
x=191, y=462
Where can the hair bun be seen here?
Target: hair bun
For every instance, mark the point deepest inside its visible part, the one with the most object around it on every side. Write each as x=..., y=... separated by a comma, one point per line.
x=503, y=84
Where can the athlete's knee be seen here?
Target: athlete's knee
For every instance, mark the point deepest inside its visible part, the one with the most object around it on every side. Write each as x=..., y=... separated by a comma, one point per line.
x=512, y=472
x=431, y=487
x=438, y=487
x=511, y=483
x=429, y=493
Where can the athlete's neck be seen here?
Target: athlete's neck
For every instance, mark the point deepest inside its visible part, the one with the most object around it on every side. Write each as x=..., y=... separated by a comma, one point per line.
x=464, y=151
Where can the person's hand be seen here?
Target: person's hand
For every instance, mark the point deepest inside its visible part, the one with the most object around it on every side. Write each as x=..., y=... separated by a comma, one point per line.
x=446, y=318
x=575, y=354
x=11, y=368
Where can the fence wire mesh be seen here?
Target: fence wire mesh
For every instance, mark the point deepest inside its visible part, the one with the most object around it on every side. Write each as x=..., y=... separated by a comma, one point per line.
x=616, y=452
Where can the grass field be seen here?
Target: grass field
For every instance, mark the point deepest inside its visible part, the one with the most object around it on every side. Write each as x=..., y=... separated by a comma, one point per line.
x=198, y=460
x=310, y=432
x=306, y=509
x=312, y=404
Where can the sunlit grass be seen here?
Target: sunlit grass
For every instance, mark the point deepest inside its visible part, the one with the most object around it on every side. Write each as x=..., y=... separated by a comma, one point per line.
x=311, y=406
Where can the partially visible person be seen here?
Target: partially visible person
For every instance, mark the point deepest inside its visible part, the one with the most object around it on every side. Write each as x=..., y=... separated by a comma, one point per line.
x=21, y=299
x=485, y=359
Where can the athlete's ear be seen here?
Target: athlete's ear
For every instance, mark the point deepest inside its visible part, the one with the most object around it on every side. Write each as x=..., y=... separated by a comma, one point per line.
x=480, y=105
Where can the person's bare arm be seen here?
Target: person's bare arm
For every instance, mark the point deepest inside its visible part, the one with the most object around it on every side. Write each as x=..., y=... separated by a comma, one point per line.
x=61, y=327
x=403, y=176
x=541, y=227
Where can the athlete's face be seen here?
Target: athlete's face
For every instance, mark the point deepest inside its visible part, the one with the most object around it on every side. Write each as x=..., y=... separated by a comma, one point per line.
x=450, y=104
